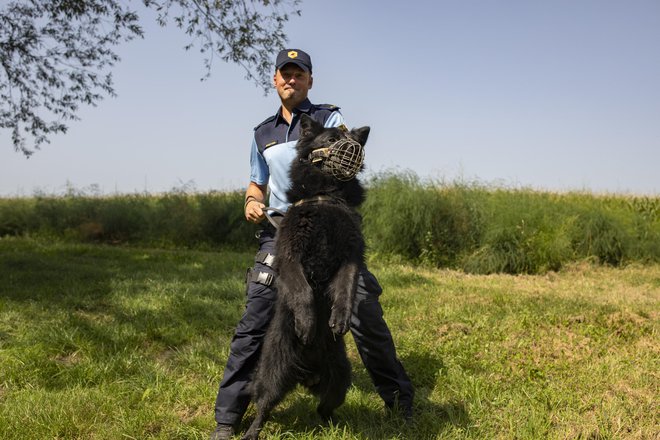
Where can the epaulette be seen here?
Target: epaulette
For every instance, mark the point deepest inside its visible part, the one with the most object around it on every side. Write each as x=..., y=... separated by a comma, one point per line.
x=330, y=107
x=266, y=121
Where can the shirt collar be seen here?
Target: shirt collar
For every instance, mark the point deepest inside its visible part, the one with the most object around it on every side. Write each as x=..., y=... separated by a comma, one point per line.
x=303, y=107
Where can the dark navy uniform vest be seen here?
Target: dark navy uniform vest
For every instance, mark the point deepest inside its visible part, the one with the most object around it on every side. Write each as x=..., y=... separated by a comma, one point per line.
x=275, y=130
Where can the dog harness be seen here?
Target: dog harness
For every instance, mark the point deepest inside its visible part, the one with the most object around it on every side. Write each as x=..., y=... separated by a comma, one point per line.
x=318, y=199
x=275, y=219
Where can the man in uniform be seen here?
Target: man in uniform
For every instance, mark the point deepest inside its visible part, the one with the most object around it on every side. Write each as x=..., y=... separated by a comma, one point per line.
x=273, y=149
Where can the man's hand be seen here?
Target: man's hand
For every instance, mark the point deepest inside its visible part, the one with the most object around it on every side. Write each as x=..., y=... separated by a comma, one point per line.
x=254, y=211
x=254, y=202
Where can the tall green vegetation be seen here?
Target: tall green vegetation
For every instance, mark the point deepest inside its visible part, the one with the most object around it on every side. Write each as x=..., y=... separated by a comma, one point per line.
x=466, y=226
x=485, y=230
x=175, y=219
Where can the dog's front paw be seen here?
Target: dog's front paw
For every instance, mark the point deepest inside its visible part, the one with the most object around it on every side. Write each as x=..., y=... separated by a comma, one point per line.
x=340, y=321
x=304, y=330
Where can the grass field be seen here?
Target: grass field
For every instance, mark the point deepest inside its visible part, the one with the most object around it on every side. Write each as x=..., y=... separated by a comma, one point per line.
x=100, y=342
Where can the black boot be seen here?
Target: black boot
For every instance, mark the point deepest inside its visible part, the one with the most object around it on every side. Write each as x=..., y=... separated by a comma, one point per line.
x=222, y=432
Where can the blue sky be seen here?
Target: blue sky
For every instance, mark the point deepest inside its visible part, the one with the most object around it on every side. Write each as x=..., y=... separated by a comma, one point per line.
x=554, y=95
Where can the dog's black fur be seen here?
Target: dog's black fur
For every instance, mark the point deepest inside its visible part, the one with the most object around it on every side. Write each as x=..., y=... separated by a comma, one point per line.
x=319, y=252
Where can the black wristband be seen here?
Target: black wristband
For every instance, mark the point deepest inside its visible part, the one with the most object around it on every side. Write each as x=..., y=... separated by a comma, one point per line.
x=248, y=199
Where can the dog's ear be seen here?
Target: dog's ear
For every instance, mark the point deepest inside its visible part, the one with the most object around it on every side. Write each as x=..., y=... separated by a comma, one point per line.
x=360, y=134
x=309, y=128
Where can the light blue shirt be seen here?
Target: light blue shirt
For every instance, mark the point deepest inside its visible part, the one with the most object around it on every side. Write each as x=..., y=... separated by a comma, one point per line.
x=272, y=166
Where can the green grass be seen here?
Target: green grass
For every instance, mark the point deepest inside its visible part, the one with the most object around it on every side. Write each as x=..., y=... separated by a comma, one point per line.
x=100, y=342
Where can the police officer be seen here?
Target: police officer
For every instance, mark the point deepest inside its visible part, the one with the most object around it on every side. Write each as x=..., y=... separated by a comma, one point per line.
x=273, y=149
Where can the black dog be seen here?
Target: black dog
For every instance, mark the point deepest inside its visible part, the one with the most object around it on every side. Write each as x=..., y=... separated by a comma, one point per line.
x=319, y=252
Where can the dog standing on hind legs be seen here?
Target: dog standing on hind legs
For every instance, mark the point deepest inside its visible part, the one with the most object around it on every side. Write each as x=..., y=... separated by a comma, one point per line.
x=319, y=253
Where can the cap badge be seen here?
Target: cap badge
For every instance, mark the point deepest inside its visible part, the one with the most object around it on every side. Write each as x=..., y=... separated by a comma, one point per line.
x=293, y=54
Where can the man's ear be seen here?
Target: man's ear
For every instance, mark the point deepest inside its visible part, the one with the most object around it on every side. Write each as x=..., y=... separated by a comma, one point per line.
x=309, y=128
x=360, y=134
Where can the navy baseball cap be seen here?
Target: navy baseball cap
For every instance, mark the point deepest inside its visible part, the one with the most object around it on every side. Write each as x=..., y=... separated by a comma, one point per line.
x=295, y=56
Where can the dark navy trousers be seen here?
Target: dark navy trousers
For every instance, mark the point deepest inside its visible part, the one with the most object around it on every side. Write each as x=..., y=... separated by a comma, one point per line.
x=370, y=332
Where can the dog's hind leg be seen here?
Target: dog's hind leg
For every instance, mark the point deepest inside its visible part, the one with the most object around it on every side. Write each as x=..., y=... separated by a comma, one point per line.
x=334, y=387
x=268, y=390
x=255, y=428
x=342, y=292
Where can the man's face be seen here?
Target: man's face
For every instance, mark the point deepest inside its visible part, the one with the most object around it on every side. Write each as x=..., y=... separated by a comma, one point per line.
x=292, y=83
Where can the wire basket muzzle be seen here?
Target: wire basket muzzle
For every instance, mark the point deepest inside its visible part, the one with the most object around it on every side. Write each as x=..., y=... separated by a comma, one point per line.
x=345, y=159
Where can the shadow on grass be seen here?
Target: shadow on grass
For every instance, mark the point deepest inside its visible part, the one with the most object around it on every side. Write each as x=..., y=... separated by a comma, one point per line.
x=297, y=416
x=103, y=301
x=300, y=420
